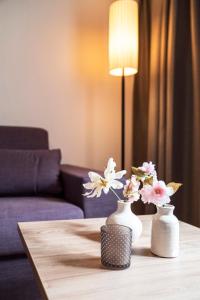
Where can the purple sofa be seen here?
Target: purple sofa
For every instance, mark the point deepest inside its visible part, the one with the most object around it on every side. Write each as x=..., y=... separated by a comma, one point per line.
x=35, y=187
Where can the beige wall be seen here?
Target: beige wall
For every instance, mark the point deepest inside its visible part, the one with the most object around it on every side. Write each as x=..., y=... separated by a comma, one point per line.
x=54, y=74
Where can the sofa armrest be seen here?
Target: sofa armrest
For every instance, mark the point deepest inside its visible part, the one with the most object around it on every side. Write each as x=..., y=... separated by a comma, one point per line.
x=73, y=178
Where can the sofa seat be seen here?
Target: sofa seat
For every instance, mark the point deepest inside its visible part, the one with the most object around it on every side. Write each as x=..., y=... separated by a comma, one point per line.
x=23, y=209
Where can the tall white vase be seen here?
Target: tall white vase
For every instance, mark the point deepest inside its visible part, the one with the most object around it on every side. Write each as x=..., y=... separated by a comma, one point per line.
x=125, y=216
x=165, y=232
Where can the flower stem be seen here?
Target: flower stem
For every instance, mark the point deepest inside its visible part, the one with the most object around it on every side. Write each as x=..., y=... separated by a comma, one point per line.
x=115, y=193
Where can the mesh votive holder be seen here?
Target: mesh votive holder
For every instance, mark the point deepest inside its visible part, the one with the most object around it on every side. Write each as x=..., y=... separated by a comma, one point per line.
x=116, y=241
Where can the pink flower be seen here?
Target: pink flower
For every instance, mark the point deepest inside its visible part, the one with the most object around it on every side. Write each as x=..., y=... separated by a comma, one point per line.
x=157, y=194
x=131, y=189
x=148, y=168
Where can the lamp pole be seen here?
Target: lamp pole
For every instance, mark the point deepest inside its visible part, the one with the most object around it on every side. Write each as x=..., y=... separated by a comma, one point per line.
x=123, y=125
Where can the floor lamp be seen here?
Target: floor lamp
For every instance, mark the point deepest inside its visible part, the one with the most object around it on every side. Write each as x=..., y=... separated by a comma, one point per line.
x=123, y=50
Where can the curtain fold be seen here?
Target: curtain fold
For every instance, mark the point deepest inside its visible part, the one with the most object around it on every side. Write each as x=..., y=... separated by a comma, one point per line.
x=195, y=42
x=167, y=99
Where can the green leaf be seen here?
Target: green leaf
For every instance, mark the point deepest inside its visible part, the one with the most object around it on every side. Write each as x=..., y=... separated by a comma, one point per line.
x=138, y=172
x=175, y=186
x=148, y=180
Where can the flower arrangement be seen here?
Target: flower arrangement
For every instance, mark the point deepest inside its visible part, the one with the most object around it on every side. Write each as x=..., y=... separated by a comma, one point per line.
x=142, y=184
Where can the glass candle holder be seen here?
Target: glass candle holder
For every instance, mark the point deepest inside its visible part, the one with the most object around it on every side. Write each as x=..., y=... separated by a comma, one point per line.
x=116, y=243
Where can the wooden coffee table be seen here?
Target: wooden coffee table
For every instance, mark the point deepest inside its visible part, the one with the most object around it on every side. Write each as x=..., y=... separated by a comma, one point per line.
x=65, y=256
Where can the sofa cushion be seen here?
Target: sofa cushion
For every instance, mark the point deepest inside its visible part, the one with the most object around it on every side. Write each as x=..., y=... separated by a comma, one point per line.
x=13, y=210
x=18, y=137
x=29, y=172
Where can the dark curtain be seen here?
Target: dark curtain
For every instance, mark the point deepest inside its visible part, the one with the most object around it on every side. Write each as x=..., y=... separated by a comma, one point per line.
x=167, y=99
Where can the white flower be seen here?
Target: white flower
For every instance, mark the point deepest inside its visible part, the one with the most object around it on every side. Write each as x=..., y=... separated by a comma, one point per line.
x=109, y=181
x=131, y=189
x=148, y=168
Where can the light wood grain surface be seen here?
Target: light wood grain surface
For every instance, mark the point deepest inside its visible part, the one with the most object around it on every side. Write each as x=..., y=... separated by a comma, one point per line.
x=66, y=259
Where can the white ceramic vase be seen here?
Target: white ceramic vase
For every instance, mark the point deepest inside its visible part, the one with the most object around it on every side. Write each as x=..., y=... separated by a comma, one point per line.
x=165, y=232
x=124, y=216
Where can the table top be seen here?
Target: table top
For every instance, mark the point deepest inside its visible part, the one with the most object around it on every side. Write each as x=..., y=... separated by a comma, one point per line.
x=65, y=256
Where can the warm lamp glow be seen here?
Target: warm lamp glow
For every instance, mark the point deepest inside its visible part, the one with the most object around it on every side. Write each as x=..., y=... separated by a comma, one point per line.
x=123, y=38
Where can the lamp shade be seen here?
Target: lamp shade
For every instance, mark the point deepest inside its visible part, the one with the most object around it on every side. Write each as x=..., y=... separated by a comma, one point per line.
x=123, y=38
